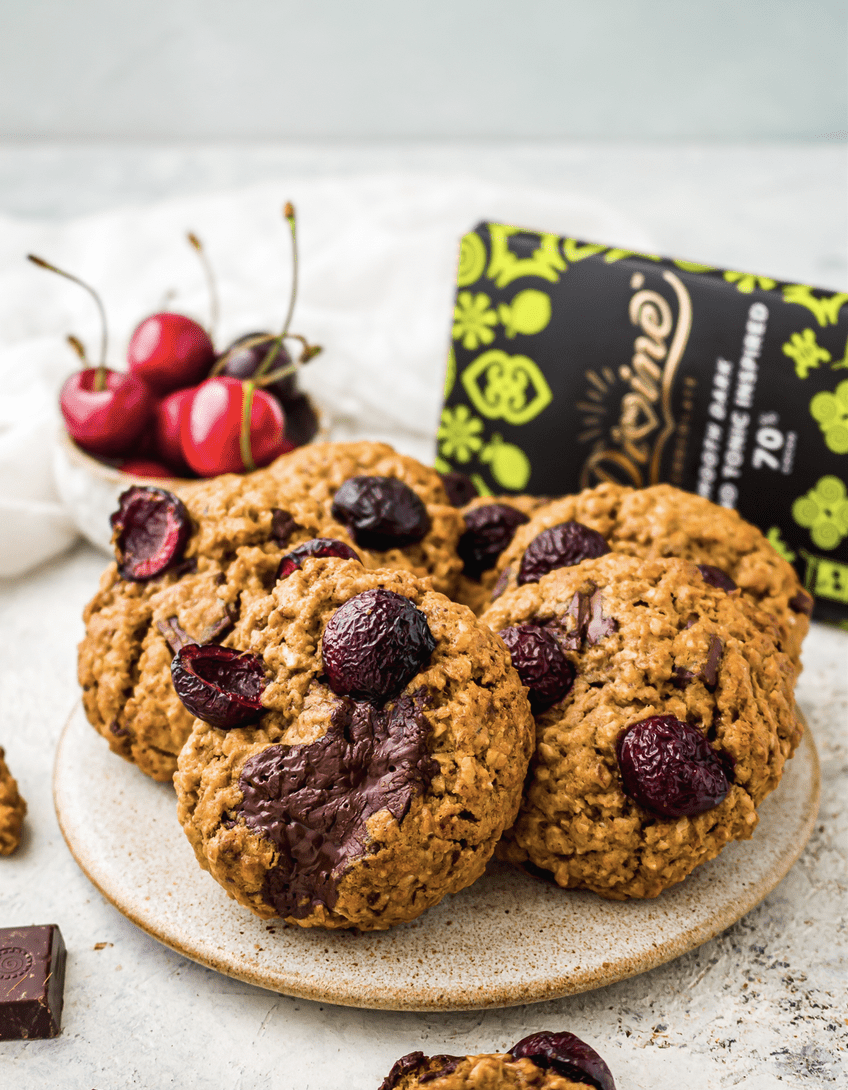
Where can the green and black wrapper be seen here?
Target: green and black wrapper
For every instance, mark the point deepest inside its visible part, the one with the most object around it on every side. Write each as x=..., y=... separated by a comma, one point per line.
x=573, y=363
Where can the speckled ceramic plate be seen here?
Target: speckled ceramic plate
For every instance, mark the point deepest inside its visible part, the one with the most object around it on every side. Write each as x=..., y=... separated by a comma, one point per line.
x=508, y=939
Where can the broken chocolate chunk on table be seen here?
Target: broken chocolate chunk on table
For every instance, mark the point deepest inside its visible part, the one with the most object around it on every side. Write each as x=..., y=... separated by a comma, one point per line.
x=32, y=980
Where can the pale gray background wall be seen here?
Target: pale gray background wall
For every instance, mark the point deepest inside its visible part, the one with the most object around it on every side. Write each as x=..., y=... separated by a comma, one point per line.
x=324, y=69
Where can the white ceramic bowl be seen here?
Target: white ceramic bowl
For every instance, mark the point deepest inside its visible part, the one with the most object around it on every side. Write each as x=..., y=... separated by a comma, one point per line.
x=90, y=489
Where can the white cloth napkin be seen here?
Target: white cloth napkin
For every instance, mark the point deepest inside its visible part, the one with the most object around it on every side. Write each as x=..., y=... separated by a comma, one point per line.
x=377, y=266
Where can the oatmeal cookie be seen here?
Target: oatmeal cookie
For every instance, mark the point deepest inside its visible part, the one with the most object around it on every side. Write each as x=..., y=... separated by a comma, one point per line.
x=12, y=809
x=664, y=716
x=237, y=530
x=490, y=523
x=543, y=1061
x=665, y=521
x=387, y=754
x=396, y=509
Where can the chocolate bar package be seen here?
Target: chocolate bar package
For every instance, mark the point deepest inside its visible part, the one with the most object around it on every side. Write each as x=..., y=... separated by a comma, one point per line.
x=574, y=363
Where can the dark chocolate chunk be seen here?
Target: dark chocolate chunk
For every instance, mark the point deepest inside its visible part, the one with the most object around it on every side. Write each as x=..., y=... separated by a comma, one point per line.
x=282, y=526
x=716, y=577
x=32, y=978
x=590, y=625
x=312, y=801
x=175, y=636
x=802, y=603
x=708, y=673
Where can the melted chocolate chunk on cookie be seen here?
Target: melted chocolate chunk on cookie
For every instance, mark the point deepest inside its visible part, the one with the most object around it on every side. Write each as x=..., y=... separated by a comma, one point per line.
x=312, y=801
x=568, y=1056
x=560, y=547
x=150, y=530
x=488, y=531
x=283, y=526
x=317, y=547
x=381, y=512
x=669, y=767
x=459, y=487
x=541, y=665
x=802, y=603
x=708, y=673
x=589, y=625
x=219, y=685
x=374, y=645
x=716, y=577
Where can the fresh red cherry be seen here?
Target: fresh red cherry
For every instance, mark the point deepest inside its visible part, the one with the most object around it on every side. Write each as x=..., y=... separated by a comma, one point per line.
x=218, y=437
x=167, y=426
x=108, y=421
x=145, y=467
x=247, y=354
x=169, y=351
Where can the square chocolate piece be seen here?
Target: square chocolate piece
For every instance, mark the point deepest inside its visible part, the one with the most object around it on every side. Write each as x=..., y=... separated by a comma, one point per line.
x=32, y=979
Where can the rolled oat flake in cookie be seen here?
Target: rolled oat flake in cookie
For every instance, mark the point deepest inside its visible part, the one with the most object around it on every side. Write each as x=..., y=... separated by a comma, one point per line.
x=388, y=759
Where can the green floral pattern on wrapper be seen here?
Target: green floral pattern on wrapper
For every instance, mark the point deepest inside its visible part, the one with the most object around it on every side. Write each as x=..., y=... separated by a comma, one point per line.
x=825, y=309
x=504, y=266
x=779, y=545
x=805, y=350
x=824, y=512
x=459, y=434
x=472, y=260
x=830, y=411
x=450, y=373
x=508, y=464
x=473, y=319
x=528, y=313
x=504, y=387
x=746, y=282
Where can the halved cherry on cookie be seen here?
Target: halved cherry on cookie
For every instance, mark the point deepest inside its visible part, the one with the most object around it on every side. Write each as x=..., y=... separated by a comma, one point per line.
x=568, y=1056
x=150, y=530
x=317, y=547
x=219, y=685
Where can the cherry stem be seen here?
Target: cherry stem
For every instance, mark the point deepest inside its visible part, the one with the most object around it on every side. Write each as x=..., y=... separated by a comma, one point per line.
x=78, y=347
x=100, y=376
x=197, y=246
x=288, y=212
x=244, y=435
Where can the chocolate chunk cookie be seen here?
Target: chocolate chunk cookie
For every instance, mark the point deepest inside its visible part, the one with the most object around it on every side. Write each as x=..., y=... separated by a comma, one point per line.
x=668, y=720
x=389, y=757
x=665, y=521
x=490, y=523
x=395, y=509
x=185, y=571
x=12, y=809
x=543, y=1061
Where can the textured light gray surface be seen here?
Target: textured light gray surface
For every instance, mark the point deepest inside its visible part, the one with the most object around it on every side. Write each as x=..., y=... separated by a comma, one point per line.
x=762, y=1006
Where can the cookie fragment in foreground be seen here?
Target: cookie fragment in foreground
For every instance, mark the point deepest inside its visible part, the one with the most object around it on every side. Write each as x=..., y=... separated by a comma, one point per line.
x=32, y=980
x=12, y=810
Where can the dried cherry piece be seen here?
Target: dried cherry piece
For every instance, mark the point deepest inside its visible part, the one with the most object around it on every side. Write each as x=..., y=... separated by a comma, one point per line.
x=568, y=1056
x=219, y=685
x=381, y=512
x=560, y=547
x=716, y=577
x=459, y=487
x=374, y=645
x=668, y=767
x=317, y=546
x=150, y=531
x=488, y=530
x=541, y=665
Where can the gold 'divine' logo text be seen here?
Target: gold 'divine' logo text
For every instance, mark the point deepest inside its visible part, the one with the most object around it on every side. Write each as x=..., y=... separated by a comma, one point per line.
x=629, y=451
